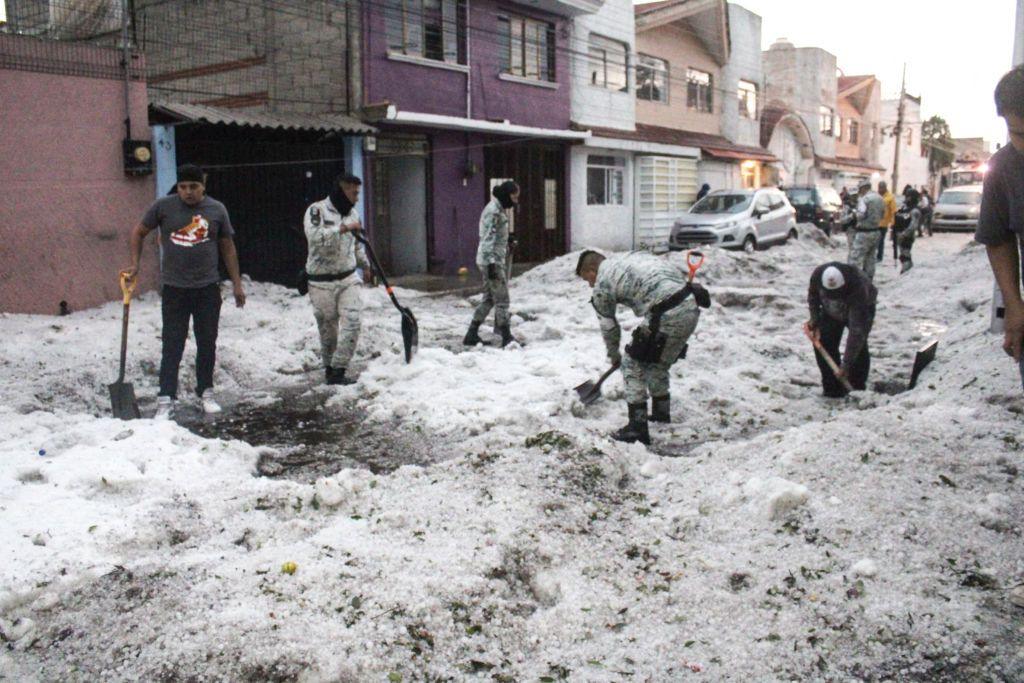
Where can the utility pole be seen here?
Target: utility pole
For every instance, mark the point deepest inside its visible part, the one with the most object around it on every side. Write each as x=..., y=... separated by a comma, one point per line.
x=899, y=132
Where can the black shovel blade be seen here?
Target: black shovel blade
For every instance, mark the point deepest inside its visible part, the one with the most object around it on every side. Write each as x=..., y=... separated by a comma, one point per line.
x=588, y=392
x=923, y=358
x=122, y=401
x=410, y=334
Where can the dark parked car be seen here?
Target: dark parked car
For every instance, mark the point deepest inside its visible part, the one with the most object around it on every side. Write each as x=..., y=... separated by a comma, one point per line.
x=818, y=204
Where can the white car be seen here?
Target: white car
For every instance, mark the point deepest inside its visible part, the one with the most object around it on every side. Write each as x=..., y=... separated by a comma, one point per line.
x=957, y=209
x=736, y=219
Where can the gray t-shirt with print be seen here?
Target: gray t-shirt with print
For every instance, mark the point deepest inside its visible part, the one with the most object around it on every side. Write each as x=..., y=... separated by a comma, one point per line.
x=189, y=253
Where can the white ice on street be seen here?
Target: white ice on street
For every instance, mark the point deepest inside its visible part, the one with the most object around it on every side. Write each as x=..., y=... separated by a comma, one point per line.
x=795, y=538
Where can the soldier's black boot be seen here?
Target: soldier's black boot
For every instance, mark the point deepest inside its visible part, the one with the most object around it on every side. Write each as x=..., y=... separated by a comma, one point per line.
x=661, y=408
x=506, y=336
x=636, y=430
x=336, y=376
x=472, y=337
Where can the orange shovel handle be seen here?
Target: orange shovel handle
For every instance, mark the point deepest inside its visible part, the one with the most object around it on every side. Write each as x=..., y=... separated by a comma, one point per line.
x=127, y=286
x=694, y=260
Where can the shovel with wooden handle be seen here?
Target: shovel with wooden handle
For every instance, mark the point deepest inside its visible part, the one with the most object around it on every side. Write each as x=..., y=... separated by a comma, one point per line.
x=590, y=390
x=122, y=394
x=828, y=358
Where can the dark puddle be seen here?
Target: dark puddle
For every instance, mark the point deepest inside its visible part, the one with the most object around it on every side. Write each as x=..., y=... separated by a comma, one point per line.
x=311, y=440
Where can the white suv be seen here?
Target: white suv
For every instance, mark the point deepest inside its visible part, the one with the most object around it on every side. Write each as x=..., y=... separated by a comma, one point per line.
x=735, y=219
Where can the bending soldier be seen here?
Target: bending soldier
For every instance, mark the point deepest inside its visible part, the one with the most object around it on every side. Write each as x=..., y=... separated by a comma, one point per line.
x=657, y=291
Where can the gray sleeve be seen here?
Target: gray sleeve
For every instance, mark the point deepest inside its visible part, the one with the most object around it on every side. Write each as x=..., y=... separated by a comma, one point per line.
x=151, y=219
x=814, y=295
x=226, y=229
x=994, y=219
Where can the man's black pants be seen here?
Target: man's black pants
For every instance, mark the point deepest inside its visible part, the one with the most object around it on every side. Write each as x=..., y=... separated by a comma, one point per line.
x=881, y=245
x=831, y=334
x=179, y=304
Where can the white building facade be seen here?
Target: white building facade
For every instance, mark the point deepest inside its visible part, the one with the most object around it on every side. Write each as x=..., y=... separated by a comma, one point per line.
x=603, y=82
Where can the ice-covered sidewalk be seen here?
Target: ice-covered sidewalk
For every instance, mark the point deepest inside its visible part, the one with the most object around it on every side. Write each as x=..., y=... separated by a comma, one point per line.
x=799, y=539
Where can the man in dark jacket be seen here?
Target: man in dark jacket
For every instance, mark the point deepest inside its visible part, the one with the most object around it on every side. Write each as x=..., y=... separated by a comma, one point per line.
x=841, y=296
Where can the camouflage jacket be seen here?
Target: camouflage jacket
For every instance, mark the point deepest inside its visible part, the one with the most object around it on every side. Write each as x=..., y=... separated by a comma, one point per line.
x=331, y=252
x=493, y=236
x=637, y=280
x=870, y=210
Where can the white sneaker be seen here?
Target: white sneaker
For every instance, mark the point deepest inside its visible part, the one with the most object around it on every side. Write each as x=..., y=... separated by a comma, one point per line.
x=210, y=405
x=164, y=408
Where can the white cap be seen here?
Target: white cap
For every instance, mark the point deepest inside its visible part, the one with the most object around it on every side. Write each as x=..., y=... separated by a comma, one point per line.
x=832, y=278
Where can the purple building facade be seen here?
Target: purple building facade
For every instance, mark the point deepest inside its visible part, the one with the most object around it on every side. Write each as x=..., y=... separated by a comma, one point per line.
x=466, y=94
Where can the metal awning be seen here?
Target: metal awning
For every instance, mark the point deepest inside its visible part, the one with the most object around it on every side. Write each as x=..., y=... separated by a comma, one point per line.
x=327, y=122
x=392, y=115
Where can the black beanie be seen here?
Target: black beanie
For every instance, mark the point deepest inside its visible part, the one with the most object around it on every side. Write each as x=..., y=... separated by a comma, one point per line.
x=190, y=173
x=503, y=193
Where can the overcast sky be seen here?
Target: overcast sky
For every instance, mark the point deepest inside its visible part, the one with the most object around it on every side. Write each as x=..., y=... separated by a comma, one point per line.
x=955, y=52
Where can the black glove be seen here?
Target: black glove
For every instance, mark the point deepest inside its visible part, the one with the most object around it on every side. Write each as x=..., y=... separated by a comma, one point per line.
x=492, y=271
x=700, y=295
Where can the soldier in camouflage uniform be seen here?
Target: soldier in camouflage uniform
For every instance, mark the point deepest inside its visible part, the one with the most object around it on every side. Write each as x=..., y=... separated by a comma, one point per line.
x=331, y=265
x=865, y=235
x=492, y=259
x=657, y=291
x=907, y=224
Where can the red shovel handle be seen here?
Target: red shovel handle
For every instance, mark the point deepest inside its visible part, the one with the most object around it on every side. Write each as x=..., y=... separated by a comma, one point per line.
x=694, y=260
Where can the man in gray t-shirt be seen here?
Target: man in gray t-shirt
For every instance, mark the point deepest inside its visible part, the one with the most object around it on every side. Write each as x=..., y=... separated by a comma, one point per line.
x=195, y=231
x=1001, y=222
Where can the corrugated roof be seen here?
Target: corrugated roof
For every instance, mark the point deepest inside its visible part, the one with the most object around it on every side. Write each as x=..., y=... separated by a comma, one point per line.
x=259, y=119
x=714, y=145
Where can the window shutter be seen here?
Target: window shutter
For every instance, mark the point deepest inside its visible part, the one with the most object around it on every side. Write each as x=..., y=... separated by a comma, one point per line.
x=393, y=25
x=413, y=22
x=549, y=63
x=449, y=10
x=505, y=43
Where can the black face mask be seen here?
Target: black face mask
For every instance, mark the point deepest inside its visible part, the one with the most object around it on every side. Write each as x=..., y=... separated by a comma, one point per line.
x=503, y=193
x=340, y=200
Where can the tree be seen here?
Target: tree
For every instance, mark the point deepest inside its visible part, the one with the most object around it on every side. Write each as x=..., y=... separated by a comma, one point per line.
x=935, y=134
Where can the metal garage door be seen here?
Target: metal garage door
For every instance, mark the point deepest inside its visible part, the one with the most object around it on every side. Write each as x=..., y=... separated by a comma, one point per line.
x=665, y=188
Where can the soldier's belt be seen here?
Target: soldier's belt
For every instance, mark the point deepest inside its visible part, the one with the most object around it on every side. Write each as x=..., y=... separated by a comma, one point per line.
x=330, y=277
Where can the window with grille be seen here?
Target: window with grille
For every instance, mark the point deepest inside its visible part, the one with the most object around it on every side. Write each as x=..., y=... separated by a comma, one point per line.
x=699, y=91
x=748, y=99
x=607, y=63
x=652, y=79
x=854, y=132
x=527, y=48
x=431, y=29
x=826, y=120
x=605, y=179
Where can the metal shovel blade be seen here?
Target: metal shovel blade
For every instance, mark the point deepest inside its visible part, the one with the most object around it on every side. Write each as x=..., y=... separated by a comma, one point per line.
x=588, y=392
x=921, y=360
x=122, y=401
x=410, y=334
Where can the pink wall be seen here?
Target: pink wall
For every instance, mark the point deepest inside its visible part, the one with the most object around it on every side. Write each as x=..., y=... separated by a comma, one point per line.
x=66, y=207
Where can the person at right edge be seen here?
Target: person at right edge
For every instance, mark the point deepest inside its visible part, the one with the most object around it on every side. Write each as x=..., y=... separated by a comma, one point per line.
x=841, y=296
x=863, y=242
x=658, y=292
x=1001, y=221
x=491, y=259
